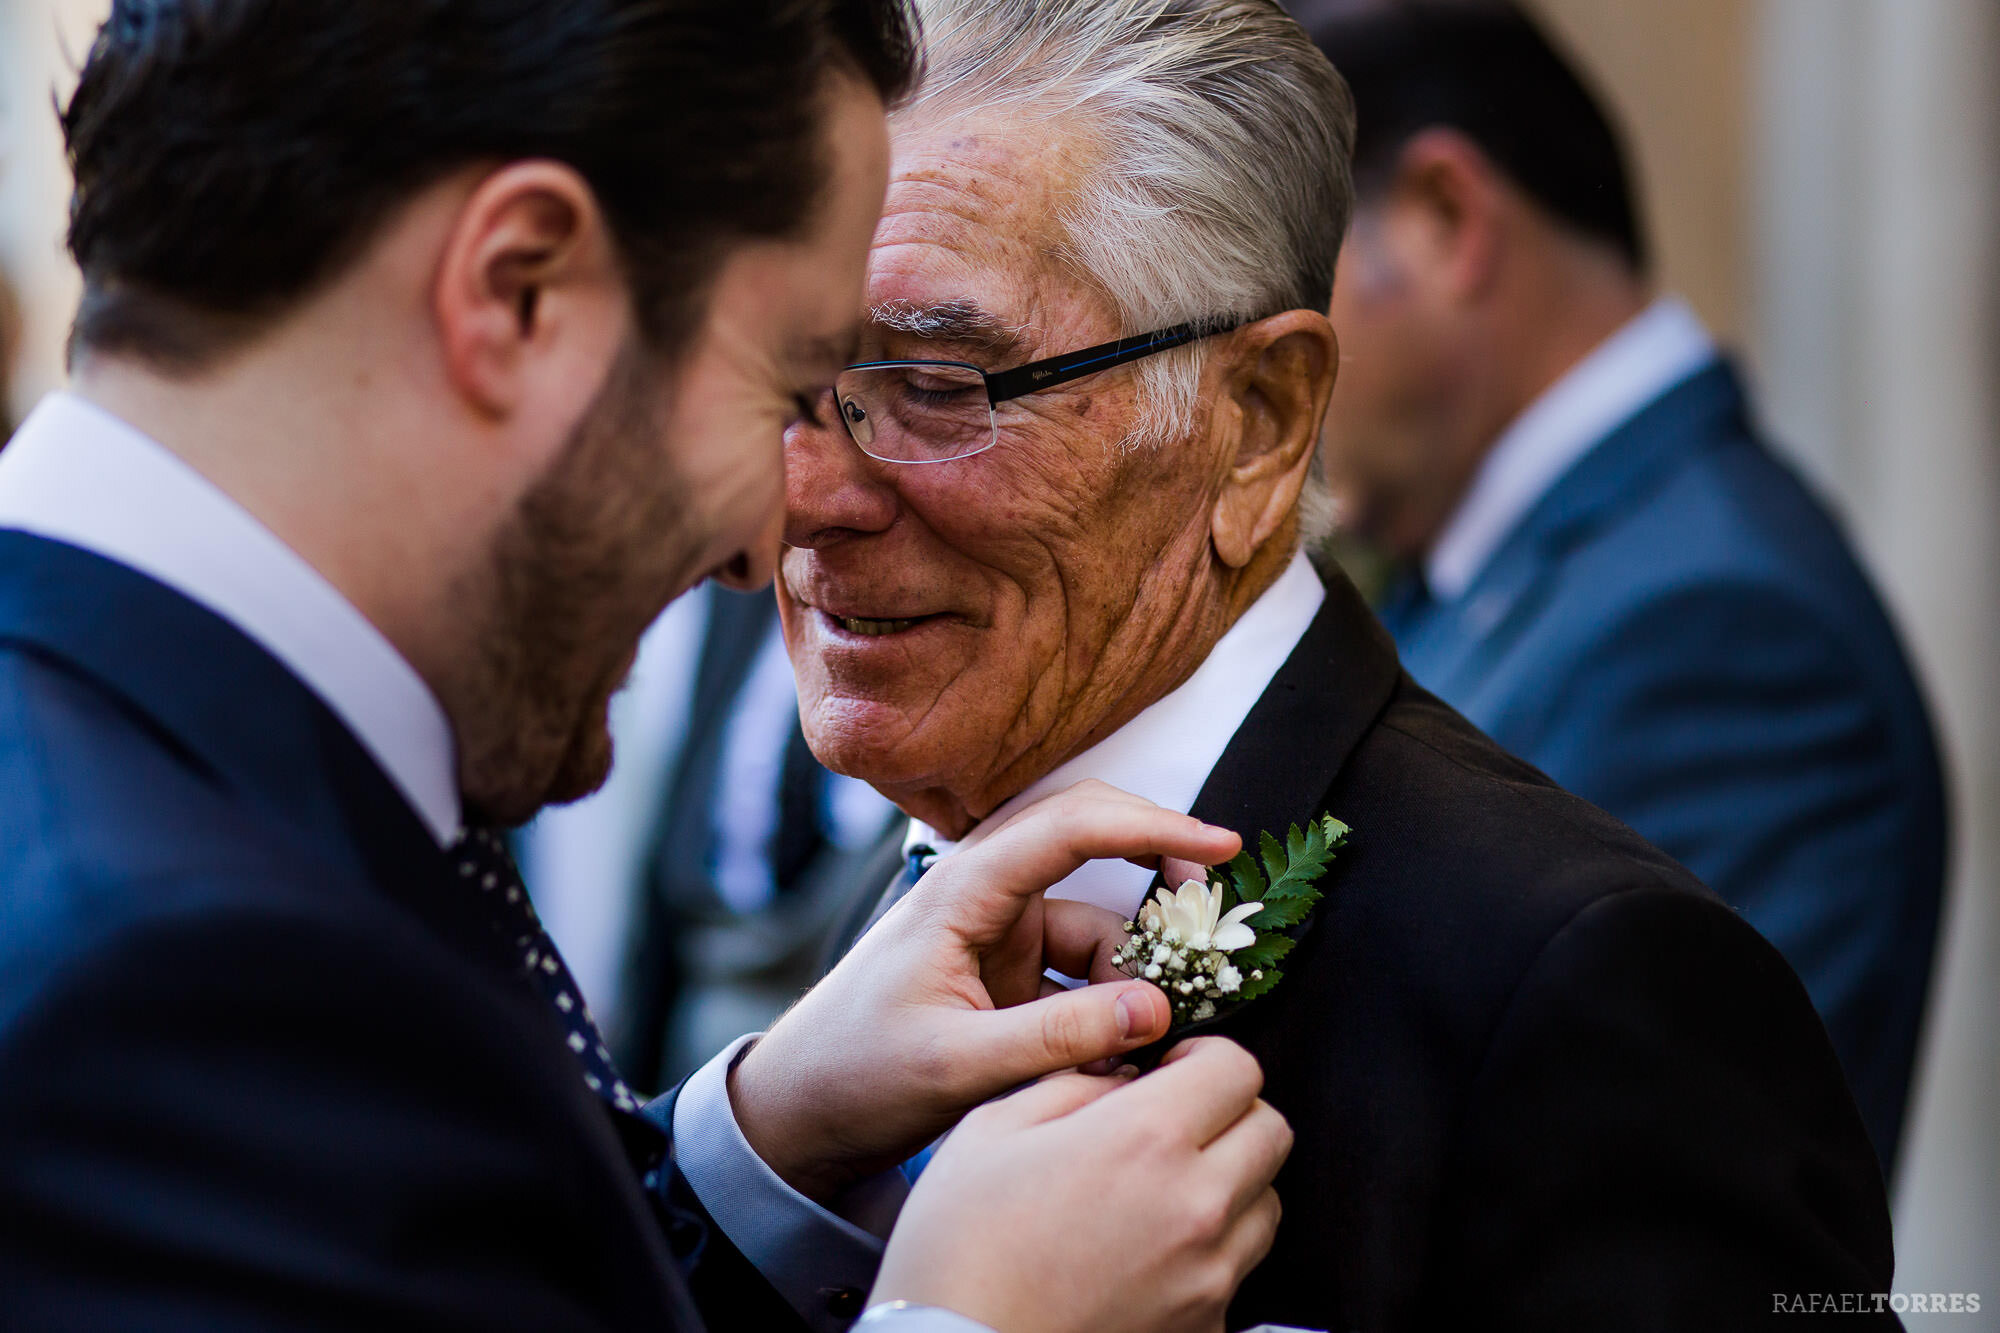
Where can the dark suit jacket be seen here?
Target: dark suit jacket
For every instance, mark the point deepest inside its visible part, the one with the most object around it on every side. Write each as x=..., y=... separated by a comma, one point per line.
x=1678, y=633
x=258, y=1070
x=1540, y=1077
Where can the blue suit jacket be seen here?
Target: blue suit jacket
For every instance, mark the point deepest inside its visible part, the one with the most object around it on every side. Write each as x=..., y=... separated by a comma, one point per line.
x=1678, y=633
x=260, y=1066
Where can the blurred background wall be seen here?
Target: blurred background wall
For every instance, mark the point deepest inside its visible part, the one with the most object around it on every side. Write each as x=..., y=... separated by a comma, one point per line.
x=1823, y=179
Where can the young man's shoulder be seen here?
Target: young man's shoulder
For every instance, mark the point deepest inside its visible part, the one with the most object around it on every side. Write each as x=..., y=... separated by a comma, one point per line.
x=112, y=833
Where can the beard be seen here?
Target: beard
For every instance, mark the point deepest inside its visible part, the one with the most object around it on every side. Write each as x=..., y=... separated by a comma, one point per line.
x=588, y=560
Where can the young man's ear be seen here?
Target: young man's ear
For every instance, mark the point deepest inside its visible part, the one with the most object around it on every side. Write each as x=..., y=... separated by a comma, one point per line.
x=1279, y=388
x=528, y=287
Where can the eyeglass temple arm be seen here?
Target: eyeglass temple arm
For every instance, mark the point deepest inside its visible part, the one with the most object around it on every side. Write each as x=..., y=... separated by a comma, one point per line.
x=1039, y=375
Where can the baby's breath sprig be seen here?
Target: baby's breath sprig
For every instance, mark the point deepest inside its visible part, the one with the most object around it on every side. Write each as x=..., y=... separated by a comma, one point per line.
x=1218, y=944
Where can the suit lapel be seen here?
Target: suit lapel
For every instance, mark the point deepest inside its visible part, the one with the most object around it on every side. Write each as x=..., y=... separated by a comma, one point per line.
x=1284, y=757
x=1283, y=760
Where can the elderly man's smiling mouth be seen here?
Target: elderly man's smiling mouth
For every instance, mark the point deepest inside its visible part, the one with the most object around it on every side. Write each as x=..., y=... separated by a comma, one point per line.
x=859, y=616
x=877, y=626
x=876, y=629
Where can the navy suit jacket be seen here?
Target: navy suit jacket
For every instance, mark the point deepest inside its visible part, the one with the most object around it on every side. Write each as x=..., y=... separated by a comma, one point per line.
x=258, y=1068
x=1678, y=633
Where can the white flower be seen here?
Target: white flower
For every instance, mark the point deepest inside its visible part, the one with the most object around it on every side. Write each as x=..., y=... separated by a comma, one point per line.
x=1228, y=979
x=1194, y=916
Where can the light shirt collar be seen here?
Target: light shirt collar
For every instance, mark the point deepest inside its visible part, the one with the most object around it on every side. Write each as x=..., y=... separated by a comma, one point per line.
x=1653, y=352
x=77, y=474
x=1166, y=753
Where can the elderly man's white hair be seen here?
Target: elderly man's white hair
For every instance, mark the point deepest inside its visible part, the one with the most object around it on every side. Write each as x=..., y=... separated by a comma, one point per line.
x=1219, y=137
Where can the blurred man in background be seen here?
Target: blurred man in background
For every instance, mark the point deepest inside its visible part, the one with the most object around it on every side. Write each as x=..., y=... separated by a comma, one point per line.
x=1607, y=569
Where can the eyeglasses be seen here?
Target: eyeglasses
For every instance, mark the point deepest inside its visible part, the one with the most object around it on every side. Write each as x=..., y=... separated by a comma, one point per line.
x=938, y=411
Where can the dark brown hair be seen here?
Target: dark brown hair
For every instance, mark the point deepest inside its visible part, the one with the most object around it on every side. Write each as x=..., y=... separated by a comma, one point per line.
x=231, y=156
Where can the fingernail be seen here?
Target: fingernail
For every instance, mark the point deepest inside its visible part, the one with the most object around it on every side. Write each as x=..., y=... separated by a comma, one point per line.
x=1127, y=1072
x=1135, y=1014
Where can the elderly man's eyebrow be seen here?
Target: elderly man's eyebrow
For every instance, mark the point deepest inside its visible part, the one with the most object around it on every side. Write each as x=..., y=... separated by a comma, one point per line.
x=960, y=322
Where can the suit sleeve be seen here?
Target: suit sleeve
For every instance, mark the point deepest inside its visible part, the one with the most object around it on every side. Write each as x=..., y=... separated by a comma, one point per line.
x=245, y=1122
x=1732, y=727
x=1659, y=1138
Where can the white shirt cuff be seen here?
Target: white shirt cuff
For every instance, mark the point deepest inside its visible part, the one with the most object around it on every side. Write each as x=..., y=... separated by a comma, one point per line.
x=814, y=1257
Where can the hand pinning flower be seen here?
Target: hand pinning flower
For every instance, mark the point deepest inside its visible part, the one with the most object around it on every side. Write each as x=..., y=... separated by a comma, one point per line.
x=1200, y=950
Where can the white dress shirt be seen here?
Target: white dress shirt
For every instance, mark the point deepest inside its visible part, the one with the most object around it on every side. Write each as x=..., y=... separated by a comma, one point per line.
x=1166, y=753
x=1653, y=352
x=77, y=474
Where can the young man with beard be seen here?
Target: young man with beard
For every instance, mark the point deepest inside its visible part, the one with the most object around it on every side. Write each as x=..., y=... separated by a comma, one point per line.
x=426, y=351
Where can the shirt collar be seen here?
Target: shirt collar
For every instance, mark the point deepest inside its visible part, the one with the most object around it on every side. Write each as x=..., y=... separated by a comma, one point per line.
x=1654, y=351
x=77, y=474
x=1166, y=753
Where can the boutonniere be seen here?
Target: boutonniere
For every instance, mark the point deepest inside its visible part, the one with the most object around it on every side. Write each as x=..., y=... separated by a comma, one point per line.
x=1213, y=947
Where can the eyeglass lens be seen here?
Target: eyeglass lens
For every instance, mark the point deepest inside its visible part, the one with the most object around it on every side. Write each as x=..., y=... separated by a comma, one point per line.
x=916, y=412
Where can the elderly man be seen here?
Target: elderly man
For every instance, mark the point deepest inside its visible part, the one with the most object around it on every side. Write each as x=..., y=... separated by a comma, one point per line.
x=1051, y=529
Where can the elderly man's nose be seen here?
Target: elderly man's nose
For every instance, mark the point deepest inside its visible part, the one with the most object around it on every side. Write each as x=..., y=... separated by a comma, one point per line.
x=832, y=489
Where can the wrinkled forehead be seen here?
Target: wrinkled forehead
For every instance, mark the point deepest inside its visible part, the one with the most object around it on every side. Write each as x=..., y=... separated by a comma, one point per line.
x=972, y=249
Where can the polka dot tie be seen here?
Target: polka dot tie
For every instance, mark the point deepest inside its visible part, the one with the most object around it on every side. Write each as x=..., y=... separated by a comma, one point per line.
x=487, y=868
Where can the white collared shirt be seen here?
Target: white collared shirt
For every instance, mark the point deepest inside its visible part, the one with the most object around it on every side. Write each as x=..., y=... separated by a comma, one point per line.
x=1653, y=352
x=79, y=475
x=1166, y=753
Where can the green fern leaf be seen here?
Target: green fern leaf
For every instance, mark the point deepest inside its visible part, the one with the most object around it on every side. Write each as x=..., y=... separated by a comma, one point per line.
x=1266, y=953
x=1248, y=880
x=1286, y=911
x=1275, y=860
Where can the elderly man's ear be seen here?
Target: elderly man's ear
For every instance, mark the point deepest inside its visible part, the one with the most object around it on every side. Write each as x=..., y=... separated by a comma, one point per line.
x=1273, y=397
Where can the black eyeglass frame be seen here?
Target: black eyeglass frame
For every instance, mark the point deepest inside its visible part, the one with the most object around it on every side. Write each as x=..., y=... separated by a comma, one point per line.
x=1007, y=385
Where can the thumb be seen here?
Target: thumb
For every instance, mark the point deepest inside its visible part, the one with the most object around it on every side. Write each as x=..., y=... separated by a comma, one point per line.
x=1017, y=1045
